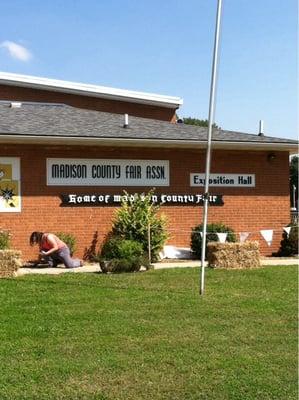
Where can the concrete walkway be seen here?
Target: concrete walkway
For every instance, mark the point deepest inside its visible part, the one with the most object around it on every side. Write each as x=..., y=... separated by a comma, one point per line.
x=196, y=263
x=162, y=265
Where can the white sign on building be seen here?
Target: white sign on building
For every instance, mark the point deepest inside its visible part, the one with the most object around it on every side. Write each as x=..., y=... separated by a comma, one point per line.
x=104, y=172
x=224, y=180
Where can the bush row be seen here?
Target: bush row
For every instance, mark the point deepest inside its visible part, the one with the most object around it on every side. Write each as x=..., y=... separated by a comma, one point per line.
x=126, y=247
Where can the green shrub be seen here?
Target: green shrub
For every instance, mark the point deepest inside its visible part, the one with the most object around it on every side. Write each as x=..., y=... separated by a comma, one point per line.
x=117, y=247
x=121, y=255
x=121, y=265
x=289, y=243
x=212, y=229
x=134, y=219
x=4, y=240
x=69, y=240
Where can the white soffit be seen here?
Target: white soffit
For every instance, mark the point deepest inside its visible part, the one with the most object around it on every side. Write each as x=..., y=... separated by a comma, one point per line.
x=7, y=78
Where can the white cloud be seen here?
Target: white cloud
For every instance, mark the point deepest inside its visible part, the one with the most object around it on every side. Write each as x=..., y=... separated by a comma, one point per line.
x=16, y=50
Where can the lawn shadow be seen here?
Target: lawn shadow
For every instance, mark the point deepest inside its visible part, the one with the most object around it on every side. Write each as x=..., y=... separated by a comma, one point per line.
x=55, y=280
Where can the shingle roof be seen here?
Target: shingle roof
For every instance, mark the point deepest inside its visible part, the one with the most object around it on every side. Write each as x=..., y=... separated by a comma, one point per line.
x=59, y=120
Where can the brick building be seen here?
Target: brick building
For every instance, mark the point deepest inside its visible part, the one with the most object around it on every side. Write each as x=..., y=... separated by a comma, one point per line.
x=67, y=152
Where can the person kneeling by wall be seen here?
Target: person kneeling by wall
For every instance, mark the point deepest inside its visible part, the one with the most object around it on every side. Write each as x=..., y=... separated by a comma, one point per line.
x=53, y=250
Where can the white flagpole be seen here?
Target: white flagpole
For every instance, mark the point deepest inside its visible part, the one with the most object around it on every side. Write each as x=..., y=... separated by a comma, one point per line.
x=208, y=153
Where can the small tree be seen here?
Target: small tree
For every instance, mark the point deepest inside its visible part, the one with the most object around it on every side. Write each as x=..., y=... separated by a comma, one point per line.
x=136, y=218
x=294, y=181
x=199, y=122
x=289, y=242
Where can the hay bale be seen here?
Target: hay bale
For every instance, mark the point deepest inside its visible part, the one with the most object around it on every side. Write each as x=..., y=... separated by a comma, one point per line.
x=233, y=255
x=10, y=262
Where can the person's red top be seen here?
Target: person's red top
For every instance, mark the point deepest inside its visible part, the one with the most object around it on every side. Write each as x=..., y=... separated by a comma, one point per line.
x=45, y=245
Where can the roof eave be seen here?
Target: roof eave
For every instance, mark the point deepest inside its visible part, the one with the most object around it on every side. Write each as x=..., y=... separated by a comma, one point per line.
x=89, y=90
x=165, y=143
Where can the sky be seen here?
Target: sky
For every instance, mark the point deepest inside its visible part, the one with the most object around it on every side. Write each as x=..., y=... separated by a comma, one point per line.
x=166, y=47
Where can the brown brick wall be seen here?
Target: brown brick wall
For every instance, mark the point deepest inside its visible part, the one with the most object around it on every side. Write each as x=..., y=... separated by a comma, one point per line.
x=92, y=103
x=264, y=207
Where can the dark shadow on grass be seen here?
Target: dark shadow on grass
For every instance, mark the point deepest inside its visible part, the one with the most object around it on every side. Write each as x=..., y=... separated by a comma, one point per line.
x=55, y=281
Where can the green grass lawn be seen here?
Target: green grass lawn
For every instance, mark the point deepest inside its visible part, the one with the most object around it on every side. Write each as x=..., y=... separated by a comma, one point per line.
x=150, y=335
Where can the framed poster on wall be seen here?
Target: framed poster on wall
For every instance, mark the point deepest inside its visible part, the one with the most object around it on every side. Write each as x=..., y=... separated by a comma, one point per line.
x=10, y=184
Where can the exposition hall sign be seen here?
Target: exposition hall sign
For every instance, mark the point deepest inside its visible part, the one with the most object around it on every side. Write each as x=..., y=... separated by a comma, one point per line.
x=224, y=180
x=97, y=199
x=104, y=172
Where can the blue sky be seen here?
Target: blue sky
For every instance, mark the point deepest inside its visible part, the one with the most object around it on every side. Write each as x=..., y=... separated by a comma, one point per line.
x=166, y=47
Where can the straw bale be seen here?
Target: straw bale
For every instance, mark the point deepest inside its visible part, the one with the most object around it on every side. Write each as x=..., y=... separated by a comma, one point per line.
x=233, y=255
x=10, y=262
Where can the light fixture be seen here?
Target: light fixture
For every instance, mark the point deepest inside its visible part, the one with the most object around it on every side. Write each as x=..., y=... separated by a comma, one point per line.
x=271, y=157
